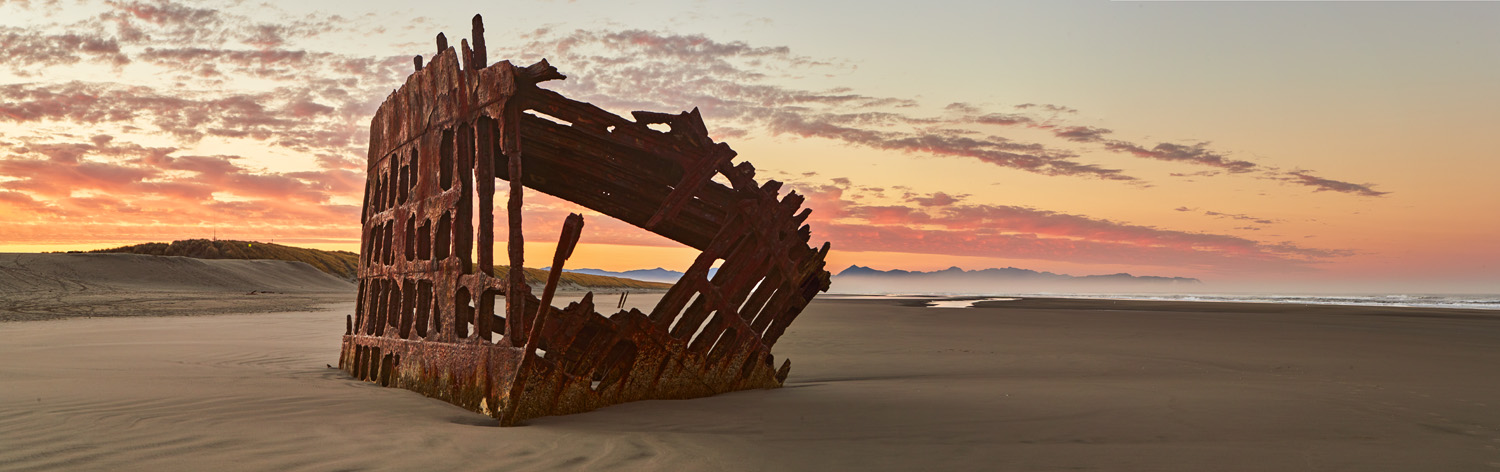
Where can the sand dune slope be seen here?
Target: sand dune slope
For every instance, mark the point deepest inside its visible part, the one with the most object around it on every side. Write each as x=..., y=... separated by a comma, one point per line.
x=44, y=286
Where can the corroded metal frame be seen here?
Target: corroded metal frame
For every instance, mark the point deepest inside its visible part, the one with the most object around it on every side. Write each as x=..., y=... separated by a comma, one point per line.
x=426, y=318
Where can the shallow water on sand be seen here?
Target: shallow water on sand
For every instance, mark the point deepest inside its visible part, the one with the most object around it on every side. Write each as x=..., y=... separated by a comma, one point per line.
x=1465, y=301
x=965, y=303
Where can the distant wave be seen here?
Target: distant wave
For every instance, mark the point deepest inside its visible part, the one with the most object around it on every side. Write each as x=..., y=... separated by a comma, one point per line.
x=1469, y=301
x=1466, y=301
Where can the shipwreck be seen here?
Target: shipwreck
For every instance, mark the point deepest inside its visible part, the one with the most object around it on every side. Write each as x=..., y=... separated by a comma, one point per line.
x=427, y=319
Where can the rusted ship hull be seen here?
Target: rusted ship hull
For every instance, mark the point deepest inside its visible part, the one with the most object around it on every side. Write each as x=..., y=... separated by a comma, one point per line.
x=426, y=319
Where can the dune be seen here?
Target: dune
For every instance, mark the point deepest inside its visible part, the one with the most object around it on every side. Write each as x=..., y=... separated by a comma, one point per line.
x=46, y=286
x=875, y=385
x=342, y=264
x=49, y=286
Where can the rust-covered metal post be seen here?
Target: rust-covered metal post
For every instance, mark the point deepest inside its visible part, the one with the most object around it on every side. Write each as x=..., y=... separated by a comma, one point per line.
x=426, y=318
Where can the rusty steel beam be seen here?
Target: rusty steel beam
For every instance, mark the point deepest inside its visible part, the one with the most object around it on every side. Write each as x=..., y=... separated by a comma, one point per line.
x=426, y=318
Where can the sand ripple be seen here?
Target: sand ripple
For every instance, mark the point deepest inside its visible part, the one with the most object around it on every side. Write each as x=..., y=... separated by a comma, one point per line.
x=874, y=386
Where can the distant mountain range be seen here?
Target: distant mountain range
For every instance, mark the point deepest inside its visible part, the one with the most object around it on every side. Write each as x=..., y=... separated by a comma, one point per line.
x=648, y=275
x=857, y=279
x=1006, y=273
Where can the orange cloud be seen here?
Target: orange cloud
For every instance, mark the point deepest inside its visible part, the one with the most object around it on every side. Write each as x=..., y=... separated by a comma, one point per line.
x=1017, y=232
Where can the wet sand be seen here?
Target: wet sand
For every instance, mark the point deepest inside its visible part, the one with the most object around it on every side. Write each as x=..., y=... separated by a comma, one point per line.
x=1008, y=385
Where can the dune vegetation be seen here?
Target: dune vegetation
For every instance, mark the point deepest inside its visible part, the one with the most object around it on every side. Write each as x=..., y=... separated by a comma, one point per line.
x=342, y=264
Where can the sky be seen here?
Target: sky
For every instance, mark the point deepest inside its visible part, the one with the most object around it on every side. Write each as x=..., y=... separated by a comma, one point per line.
x=1289, y=146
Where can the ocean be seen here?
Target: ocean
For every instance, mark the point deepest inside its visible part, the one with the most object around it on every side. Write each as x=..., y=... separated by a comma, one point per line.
x=1468, y=301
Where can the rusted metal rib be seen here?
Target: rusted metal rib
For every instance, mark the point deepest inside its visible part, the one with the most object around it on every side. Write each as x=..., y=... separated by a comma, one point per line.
x=426, y=318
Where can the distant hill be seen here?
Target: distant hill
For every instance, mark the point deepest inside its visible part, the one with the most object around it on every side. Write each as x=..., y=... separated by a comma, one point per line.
x=342, y=264
x=84, y=273
x=537, y=278
x=52, y=286
x=345, y=264
x=650, y=275
x=1008, y=280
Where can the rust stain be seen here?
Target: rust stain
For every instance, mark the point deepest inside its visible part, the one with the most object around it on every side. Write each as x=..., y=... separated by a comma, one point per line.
x=426, y=319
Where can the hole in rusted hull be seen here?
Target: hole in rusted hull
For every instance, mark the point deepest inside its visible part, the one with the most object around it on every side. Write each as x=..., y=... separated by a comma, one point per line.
x=444, y=242
x=424, y=307
x=465, y=314
x=486, y=315
x=411, y=237
x=424, y=240
x=408, y=307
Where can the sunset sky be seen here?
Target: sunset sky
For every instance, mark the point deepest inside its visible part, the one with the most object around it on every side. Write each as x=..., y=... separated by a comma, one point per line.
x=1313, y=146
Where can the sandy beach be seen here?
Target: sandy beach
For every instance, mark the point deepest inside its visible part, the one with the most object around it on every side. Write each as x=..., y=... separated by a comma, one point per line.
x=1019, y=385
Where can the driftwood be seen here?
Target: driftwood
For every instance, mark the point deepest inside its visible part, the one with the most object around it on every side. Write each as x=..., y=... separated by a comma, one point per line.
x=426, y=319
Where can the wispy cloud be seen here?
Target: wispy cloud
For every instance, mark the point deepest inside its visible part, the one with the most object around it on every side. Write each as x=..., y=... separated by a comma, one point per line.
x=1329, y=185
x=1046, y=107
x=989, y=149
x=733, y=83
x=303, y=118
x=28, y=49
x=1233, y=216
x=1193, y=154
x=1020, y=232
x=72, y=175
x=937, y=199
x=642, y=69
